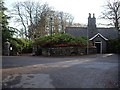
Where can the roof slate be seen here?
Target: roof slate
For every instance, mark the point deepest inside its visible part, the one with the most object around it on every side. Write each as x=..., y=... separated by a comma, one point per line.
x=76, y=31
x=110, y=33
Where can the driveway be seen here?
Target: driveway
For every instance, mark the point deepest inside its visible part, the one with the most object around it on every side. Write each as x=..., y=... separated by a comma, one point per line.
x=91, y=71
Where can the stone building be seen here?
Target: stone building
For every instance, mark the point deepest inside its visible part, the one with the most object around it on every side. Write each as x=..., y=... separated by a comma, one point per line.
x=99, y=36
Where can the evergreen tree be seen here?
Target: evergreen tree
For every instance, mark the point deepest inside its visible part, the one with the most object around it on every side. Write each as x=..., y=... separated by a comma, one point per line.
x=6, y=31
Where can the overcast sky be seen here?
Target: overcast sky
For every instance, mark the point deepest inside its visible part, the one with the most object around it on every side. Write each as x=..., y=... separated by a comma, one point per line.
x=78, y=8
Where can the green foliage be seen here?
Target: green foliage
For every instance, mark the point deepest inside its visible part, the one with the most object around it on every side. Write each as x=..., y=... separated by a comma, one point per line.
x=15, y=45
x=7, y=33
x=60, y=40
x=113, y=46
x=27, y=46
x=21, y=45
x=18, y=44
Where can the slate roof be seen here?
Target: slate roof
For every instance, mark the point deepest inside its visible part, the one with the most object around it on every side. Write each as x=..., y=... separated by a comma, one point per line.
x=110, y=33
x=76, y=31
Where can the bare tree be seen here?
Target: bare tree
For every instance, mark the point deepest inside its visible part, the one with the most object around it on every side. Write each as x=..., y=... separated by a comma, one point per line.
x=42, y=20
x=65, y=20
x=56, y=23
x=24, y=13
x=68, y=19
x=36, y=19
x=18, y=12
x=112, y=12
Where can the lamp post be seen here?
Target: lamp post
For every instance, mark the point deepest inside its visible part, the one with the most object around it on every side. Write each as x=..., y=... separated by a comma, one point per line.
x=87, y=42
x=51, y=26
x=34, y=47
x=51, y=21
x=51, y=17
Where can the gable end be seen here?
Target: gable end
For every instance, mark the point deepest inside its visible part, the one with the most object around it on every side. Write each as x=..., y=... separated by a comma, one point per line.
x=98, y=34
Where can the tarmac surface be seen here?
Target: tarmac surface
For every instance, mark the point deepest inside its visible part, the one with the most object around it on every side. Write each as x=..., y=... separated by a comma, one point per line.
x=90, y=71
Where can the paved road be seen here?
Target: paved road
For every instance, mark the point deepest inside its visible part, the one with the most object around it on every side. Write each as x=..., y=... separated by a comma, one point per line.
x=91, y=71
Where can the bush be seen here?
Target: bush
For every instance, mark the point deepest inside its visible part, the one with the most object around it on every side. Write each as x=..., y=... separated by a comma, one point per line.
x=113, y=46
x=20, y=45
x=28, y=47
x=60, y=40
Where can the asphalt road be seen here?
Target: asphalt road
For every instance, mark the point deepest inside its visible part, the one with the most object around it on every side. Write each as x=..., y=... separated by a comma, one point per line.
x=91, y=71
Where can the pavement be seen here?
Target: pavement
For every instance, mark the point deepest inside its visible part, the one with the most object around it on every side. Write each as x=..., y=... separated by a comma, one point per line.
x=90, y=71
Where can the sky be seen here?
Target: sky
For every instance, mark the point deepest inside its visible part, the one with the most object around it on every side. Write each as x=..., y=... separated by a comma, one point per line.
x=78, y=8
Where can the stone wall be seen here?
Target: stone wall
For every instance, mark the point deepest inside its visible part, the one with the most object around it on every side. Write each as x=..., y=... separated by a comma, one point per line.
x=66, y=51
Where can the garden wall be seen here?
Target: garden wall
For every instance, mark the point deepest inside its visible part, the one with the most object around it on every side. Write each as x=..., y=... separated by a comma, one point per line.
x=66, y=51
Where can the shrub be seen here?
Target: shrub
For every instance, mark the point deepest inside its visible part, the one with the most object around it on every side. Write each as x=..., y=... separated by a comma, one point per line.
x=21, y=45
x=113, y=46
x=60, y=40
